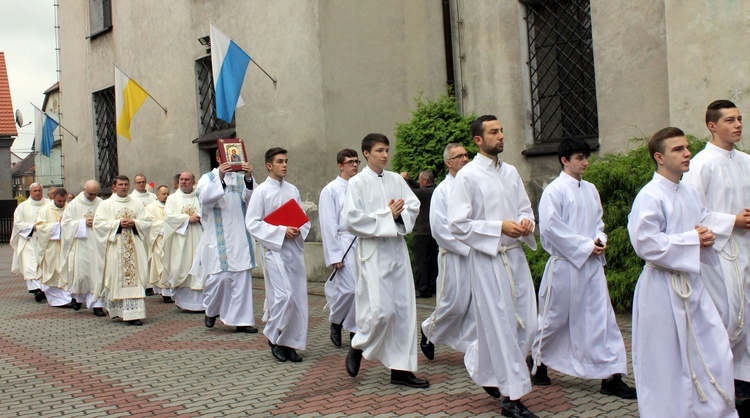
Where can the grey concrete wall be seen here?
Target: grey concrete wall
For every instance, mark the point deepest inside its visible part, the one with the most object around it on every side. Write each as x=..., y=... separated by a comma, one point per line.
x=706, y=47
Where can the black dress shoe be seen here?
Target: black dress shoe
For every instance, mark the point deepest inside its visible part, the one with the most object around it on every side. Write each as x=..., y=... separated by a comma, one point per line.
x=99, y=312
x=401, y=377
x=353, y=360
x=150, y=292
x=428, y=348
x=135, y=322
x=292, y=355
x=336, y=334
x=39, y=296
x=76, y=305
x=616, y=387
x=210, y=321
x=492, y=391
x=167, y=299
x=278, y=352
x=246, y=329
x=516, y=409
x=540, y=378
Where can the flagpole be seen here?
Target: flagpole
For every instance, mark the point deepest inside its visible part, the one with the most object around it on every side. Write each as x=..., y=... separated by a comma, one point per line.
x=147, y=93
x=264, y=72
x=58, y=122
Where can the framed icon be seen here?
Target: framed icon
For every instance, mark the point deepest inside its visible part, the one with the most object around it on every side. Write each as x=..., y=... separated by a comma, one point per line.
x=232, y=151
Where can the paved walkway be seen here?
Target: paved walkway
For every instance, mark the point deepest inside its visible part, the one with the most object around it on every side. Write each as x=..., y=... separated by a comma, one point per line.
x=56, y=362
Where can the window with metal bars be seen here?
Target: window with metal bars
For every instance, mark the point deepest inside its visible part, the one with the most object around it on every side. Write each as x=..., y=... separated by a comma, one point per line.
x=561, y=70
x=106, y=136
x=208, y=124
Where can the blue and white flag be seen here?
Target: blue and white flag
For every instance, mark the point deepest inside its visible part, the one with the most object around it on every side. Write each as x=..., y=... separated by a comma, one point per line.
x=44, y=128
x=229, y=64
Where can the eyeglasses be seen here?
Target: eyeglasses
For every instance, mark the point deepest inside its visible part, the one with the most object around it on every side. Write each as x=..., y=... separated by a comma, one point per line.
x=459, y=156
x=352, y=162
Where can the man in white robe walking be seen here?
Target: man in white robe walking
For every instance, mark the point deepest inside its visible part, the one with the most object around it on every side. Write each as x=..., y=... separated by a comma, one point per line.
x=49, y=251
x=121, y=229
x=491, y=213
x=578, y=334
x=23, y=241
x=142, y=195
x=282, y=249
x=182, y=235
x=380, y=208
x=339, y=247
x=720, y=173
x=452, y=322
x=79, y=247
x=681, y=355
x=225, y=256
x=158, y=275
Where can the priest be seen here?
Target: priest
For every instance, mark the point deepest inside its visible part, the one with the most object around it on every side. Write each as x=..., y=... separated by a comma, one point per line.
x=158, y=275
x=23, y=241
x=49, y=250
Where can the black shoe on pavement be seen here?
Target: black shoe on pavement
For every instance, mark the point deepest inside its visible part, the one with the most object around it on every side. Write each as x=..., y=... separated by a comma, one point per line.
x=150, y=292
x=353, y=361
x=278, y=351
x=540, y=378
x=492, y=391
x=401, y=377
x=336, y=334
x=516, y=409
x=99, y=312
x=614, y=386
x=135, y=322
x=246, y=329
x=167, y=299
x=76, y=305
x=39, y=296
x=292, y=355
x=428, y=348
x=210, y=321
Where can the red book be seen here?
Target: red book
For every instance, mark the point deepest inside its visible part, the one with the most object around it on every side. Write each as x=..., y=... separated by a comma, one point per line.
x=288, y=214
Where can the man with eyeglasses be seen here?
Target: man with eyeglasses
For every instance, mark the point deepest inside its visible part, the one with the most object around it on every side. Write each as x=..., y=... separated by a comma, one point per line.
x=452, y=323
x=339, y=247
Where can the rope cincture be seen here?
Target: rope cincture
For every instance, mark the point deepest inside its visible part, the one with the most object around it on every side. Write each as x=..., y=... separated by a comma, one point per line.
x=731, y=256
x=502, y=251
x=442, y=264
x=683, y=288
x=551, y=268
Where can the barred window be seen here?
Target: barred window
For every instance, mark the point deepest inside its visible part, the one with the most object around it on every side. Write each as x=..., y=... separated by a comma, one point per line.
x=100, y=17
x=561, y=70
x=208, y=124
x=106, y=136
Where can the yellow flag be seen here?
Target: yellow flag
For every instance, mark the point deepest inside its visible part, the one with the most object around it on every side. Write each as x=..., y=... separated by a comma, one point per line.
x=129, y=97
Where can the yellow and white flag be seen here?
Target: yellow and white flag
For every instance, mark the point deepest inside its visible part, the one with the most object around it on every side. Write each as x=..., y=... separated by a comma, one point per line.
x=129, y=96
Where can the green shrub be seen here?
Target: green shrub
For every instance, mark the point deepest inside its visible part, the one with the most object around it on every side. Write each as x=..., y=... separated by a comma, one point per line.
x=421, y=141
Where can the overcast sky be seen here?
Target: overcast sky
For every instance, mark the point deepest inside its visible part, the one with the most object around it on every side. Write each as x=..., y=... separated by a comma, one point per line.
x=27, y=37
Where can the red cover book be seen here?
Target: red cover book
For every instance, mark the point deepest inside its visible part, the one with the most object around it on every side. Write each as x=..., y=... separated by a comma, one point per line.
x=288, y=214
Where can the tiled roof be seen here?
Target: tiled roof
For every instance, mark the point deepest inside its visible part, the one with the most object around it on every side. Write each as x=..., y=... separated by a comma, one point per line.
x=7, y=121
x=25, y=166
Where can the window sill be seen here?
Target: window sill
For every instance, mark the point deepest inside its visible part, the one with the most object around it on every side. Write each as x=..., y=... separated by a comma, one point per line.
x=550, y=148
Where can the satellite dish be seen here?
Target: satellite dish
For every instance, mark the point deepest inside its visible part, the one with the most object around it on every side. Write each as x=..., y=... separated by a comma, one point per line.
x=19, y=119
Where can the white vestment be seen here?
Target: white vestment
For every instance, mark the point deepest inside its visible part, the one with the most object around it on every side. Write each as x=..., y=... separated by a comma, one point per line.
x=677, y=331
x=78, y=250
x=181, y=239
x=49, y=249
x=144, y=198
x=283, y=266
x=452, y=322
x=578, y=334
x=121, y=260
x=721, y=178
x=225, y=254
x=502, y=291
x=386, y=309
x=22, y=239
x=336, y=241
x=158, y=276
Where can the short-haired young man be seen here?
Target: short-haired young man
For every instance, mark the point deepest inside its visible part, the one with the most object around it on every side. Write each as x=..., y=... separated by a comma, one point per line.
x=681, y=356
x=721, y=174
x=49, y=250
x=282, y=250
x=578, y=334
x=491, y=213
x=339, y=247
x=380, y=209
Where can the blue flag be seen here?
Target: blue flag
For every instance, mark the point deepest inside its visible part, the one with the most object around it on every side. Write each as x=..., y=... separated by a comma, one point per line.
x=44, y=132
x=229, y=64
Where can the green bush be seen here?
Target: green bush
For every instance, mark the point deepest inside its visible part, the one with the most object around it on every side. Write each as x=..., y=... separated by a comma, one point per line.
x=619, y=178
x=421, y=141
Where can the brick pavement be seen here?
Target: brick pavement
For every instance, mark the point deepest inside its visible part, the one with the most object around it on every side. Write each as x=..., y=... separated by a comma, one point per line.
x=56, y=362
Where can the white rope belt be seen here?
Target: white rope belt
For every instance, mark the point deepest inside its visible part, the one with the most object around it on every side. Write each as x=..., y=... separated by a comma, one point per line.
x=502, y=251
x=442, y=265
x=731, y=255
x=683, y=288
x=551, y=269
